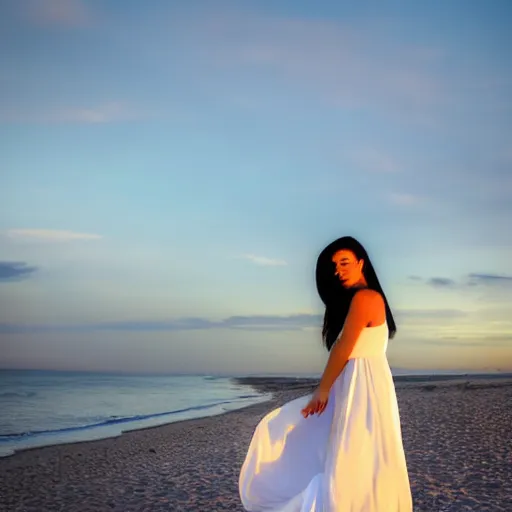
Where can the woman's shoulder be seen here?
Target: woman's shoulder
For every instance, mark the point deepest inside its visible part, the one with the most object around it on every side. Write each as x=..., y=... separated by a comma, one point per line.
x=365, y=294
x=368, y=299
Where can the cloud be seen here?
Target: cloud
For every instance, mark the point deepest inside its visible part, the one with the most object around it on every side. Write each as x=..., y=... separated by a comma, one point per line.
x=431, y=313
x=264, y=261
x=112, y=112
x=375, y=161
x=256, y=322
x=402, y=199
x=343, y=64
x=470, y=280
x=485, y=340
x=15, y=270
x=293, y=322
x=489, y=280
x=268, y=321
x=64, y=13
x=473, y=280
x=441, y=282
x=49, y=235
x=100, y=114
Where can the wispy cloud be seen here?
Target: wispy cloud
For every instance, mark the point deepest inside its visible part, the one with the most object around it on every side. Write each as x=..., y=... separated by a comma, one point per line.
x=471, y=280
x=49, y=235
x=66, y=13
x=264, y=261
x=489, y=279
x=103, y=113
x=269, y=321
x=15, y=270
x=403, y=199
x=342, y=63
x=430, y=313
x=441, y=282
x=495, y=340
x=374, y=161
x=254, y=322
x=100, y=114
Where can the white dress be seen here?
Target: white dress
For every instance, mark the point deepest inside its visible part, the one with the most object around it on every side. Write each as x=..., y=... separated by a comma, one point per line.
x=349, y=459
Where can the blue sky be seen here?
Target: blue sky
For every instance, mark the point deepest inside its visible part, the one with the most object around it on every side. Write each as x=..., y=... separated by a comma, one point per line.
x=170, y=172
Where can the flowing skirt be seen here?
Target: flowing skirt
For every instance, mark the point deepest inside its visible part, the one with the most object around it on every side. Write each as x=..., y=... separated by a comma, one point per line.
x=349, y=459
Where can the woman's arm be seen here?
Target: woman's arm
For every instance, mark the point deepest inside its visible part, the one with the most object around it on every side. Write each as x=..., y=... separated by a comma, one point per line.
x=358, y=317
x=362, y=310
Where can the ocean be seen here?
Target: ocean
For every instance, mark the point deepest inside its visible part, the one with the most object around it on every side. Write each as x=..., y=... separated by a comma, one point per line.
x=39, y=408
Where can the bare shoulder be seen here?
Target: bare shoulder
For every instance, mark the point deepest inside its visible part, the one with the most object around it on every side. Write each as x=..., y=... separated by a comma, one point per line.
x=368, y=297
x=372, y=303
x=366, y=310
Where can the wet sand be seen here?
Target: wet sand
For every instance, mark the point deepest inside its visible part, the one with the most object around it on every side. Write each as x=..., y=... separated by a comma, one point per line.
x=457, y=437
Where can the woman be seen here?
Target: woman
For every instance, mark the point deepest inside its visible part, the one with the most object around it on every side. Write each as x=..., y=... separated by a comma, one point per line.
x=339, y=449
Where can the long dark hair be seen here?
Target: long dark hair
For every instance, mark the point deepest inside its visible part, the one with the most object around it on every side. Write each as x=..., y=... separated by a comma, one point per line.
x=336, y=298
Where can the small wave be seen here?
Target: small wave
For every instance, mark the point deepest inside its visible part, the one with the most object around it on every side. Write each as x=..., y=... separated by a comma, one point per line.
x=114, y=420
x=18, y=394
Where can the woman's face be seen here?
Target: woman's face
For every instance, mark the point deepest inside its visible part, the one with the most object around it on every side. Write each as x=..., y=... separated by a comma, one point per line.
x=348, y=268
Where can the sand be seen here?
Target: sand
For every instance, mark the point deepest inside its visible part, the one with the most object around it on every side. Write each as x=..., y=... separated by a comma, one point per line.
x=457, y=438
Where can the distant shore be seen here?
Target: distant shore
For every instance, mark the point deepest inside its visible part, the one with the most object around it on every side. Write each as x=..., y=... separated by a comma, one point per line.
x=456, y=433
x=272, y=384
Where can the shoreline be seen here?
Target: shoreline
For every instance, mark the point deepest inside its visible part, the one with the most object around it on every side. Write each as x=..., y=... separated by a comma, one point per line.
x=268, y=386
x=111, y=430
x=455, y=437
x=263, y=386
x=78, y=467
x=125, y=432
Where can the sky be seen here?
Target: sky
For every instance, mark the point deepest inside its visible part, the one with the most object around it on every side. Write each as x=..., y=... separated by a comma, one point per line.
x=170, y=171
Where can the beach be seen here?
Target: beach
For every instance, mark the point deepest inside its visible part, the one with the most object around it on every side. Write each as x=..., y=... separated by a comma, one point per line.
x=456, y=433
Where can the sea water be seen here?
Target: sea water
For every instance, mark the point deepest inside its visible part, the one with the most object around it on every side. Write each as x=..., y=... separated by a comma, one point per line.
x=39, y=408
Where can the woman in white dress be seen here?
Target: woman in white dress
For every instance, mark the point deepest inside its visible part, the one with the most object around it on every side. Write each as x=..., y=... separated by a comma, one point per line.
x=339, y=449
